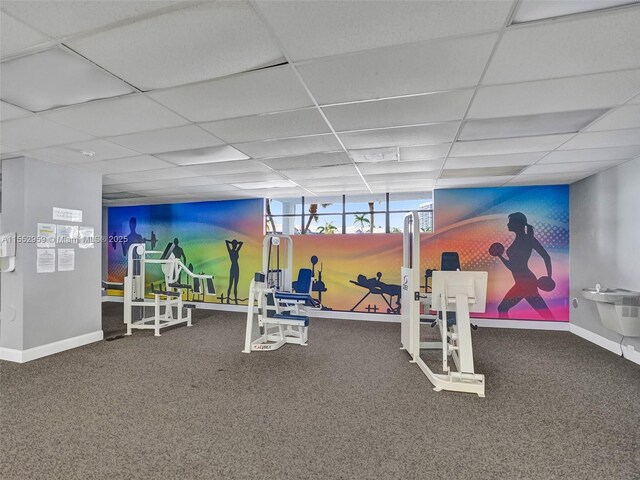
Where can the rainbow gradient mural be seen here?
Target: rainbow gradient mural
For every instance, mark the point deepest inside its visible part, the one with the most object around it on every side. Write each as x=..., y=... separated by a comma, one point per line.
x=202, y=230
x=520, y=235
x=467, y=221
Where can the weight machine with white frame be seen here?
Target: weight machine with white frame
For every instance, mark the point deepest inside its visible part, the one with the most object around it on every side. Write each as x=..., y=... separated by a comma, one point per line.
x=461, y=292
x=282, y=313
x=164, y=301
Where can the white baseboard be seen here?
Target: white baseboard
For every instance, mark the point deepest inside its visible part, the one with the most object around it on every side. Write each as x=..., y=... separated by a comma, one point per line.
x=521, y=324
x=22, y=356
x=630, y=353
x=627, y=351
x=599, y=340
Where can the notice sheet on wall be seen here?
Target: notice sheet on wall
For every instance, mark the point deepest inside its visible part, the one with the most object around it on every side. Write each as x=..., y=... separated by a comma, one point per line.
x=46, y=235
x=45, y=260
x=67, y=234
x=67, y=214
x=85, y=237
x=66, y=259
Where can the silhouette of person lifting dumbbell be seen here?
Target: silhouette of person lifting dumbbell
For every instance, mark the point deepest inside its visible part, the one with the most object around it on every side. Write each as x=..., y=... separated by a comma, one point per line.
x=517, y=261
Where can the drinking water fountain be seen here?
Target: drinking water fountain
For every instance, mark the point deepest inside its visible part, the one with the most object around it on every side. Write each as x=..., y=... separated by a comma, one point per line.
x=619, y=309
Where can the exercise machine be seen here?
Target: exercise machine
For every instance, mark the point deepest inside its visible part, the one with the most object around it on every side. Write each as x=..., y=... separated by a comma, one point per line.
x=452, y=291
x=167, y=303
x=283, y=304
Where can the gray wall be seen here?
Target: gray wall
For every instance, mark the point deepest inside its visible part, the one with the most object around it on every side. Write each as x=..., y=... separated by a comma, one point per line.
x=49, y=306
x=605, y=239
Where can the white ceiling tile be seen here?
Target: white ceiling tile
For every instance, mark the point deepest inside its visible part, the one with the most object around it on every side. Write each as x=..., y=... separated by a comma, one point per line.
x=613, y=138
x=6, y=149
x=281, y=183
x=70, y=80
x=35, y=132
x=220, y=153
x=147, y=176
x=274, y=192
x=269, y=126
x=535, y=10
x=402, y=136
x=543, y=143
x=129, y=164
x=11, y=112
x=351, y=189
x=623, y=117
x=316, y=29
x=211, y=188
x=553, y=168
x=473, y=182
x=494, y=160
x=270, y=90
x=423, y=185
x=343, y=180
x=212, y=40
x=404, y=70
x=185, y=183
x=549, y=179
x=228, y=168
x=635, y=100
x=559, y=95
x=251, y=176
x=528, y=125
x=167, y=139
x=106, y=118
x=72, y=154
x=424, y=152
x=407, y=177
x=162, y=192
x=289, y=146
x=430, y=108
x=16, y=36
x=320, y=172
x=313, y=160
x=576, y=46
x=394, y=168
x=592, y=154
x=69, y=17
x=481, y=172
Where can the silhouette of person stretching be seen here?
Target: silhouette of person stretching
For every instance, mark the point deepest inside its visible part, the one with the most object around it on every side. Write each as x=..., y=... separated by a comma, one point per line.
x=526, y=284
x=233, y=247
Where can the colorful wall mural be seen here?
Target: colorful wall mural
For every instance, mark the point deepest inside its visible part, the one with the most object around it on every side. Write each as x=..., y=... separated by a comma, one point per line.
x=520, y=235
x=205, y=231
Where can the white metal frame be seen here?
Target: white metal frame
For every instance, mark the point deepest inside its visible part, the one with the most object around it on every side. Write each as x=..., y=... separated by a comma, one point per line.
x=455, y=340
x=163, y=302
x=275, y=332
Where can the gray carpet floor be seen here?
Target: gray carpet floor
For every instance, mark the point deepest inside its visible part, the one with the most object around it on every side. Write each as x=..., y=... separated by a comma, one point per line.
x=190, y=405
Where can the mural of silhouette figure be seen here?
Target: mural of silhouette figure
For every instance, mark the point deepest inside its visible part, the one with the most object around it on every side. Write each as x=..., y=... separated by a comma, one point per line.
x=517, y=261
x=132, y=238
x=178, y=253
x=233, y=247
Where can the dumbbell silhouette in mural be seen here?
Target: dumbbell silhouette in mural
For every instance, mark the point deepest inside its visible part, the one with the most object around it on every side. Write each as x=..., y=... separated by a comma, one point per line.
x=517, y=261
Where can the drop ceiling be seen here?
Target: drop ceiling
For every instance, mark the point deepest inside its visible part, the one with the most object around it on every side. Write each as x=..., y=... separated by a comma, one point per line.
x=174, y=101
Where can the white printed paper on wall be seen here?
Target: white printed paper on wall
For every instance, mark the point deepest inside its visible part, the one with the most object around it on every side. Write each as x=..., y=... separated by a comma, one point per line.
x=46, y=237
x=46, y=260
x=67, y=234
x=67, y=214
x=66, y=259
x=85, y=237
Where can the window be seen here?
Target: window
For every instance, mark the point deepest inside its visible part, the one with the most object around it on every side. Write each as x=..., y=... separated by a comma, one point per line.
x=383, y=213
